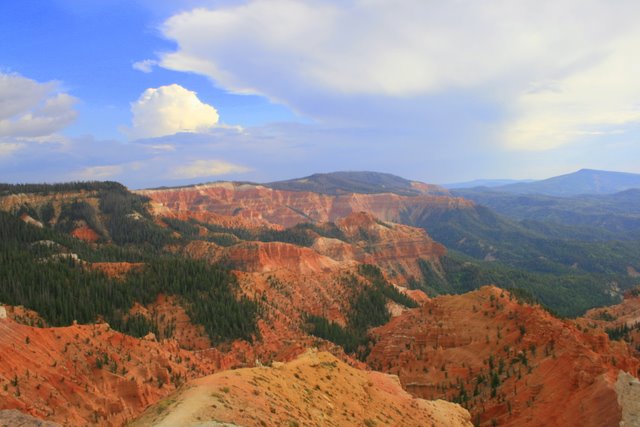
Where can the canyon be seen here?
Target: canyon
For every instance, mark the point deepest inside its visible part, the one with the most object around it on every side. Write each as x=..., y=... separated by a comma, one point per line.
x=311, y=262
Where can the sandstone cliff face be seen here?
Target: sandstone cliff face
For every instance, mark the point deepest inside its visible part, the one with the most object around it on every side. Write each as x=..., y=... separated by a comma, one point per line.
x=395, y=248
x=263, y=257
x=509, y=363
x=228, y=221
x=365, y=219
x=314, y=389
x=287, y=208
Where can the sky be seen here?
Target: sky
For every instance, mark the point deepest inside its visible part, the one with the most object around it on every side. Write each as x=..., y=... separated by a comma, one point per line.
x=168, y=92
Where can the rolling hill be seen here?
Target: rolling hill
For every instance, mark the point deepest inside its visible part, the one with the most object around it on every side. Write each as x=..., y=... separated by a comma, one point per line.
x=357, y=182
x=583, y=217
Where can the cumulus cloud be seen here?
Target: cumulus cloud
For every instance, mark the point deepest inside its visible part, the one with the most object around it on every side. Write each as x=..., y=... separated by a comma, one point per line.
x=318, y=56
x=29, y=109
x=168, y=110
x=206, y=168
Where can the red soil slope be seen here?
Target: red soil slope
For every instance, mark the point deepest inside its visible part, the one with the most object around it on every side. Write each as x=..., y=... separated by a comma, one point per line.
x=510, y=363
x=88, y=374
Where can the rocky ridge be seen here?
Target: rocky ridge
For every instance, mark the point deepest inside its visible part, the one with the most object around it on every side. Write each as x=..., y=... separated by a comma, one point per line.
x=508, y=362
x=314, y=389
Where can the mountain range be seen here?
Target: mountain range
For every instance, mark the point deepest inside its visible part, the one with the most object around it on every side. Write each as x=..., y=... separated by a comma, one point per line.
x=584, y=181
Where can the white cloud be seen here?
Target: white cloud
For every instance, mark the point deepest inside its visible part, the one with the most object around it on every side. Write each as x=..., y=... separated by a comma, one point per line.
x=29, y=109
x=146, y=65
x=599, y=98
x=100, y=172
x=205, y=168
x=168, y=110
x=557, y=70
x=8, y=148
x=163, y=147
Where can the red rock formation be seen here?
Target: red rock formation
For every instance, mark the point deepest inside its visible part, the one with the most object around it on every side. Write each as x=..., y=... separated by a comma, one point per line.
x=512, y=363
x=85, y=233
x=291, y=280
x=88, y=374
x=287, y=208
x=227, y=221
x=116, y=269
x=264, y=257
x=395, y=248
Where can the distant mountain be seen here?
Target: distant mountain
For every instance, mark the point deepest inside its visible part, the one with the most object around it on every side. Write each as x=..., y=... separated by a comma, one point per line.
x=489, y=183
x=584, y=181
x=357, y=182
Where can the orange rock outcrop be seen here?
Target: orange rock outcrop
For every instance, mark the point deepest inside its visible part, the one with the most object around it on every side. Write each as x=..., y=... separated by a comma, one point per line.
x=85, y=233
x=117, y=270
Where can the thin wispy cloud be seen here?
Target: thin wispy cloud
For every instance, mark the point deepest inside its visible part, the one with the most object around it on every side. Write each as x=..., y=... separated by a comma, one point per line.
x=146, y=65
x=207, y=168
x=101, y=172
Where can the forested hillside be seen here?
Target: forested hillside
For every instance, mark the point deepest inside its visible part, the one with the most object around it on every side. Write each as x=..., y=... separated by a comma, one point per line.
x=47, y=271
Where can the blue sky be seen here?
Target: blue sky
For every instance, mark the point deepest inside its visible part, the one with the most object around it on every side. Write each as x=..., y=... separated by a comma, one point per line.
x=166, y=92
